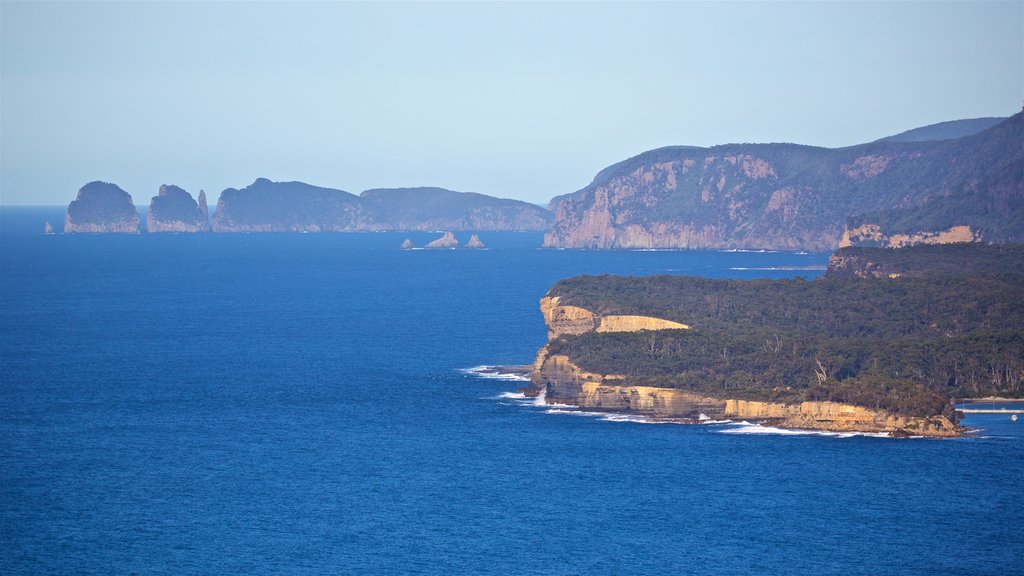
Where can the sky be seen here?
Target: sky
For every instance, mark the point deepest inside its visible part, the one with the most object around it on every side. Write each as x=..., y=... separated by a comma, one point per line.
x=523, y=100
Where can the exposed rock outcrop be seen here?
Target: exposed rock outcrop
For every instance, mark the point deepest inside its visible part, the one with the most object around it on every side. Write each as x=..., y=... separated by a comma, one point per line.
x=174, y=210
x=407, y=244
x=784, y=196
x=563, y=319
x=446, y=241
x=873, y=236
x=102, y=207
x=563, y=382
x=47, y=228
x=204, y=207
x=475, y=243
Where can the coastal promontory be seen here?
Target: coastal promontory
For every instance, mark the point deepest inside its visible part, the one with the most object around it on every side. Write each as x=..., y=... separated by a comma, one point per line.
x=174, y=210
x=101, y=207
x=959, y=182
x=854, y=350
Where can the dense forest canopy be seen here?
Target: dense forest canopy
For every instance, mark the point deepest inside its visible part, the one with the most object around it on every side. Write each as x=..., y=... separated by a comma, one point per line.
x=904, y=344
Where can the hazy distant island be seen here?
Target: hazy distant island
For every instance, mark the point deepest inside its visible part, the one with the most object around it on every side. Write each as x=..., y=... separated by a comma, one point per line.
x=266, y=206
x=951, y=182
x=174, y=210
x=880, y=343
x=101, y=207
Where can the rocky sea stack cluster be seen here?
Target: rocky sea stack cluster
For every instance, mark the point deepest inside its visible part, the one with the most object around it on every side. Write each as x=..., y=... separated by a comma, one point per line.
x=174, y=210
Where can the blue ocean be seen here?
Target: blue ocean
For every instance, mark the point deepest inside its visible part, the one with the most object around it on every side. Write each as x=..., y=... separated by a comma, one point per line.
x=308, y=404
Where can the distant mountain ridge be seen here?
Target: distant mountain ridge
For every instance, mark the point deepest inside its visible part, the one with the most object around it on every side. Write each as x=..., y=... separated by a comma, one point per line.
x=950, y=130
x=948, y=182
x=266, y=206
x=788, y=196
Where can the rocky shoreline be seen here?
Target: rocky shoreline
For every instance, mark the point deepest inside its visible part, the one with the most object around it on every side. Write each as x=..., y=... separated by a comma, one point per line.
x=560, y=381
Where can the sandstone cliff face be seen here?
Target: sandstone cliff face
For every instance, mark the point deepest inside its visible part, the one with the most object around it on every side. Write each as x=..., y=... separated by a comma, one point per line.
x=873, y=235
x=102, y=207
x=563, y=319
x=839, y=417
x=174, y=210
x=566, y=383
x=783, y=196
x=563, y=382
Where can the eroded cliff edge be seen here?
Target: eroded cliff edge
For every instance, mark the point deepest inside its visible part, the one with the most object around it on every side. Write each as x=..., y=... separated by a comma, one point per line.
x=563, y=382
x=882, y=342
x=888, y=193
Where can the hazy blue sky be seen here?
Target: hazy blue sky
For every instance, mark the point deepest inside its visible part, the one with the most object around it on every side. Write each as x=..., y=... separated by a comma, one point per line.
x=519, y=100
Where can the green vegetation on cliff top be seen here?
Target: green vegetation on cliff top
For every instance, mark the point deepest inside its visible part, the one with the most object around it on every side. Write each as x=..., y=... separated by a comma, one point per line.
x=902, y=344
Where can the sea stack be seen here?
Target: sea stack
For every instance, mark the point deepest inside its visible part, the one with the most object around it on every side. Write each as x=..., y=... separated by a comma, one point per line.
x=204, y=207
x=102, y=207
x=47, y=229
x=407, y=245
x=447, y=241
x=475, y=243
x=174, y=210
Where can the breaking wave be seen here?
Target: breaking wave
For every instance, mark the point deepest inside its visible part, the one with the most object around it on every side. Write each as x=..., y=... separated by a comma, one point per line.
x=493, y=373
x=744, y=427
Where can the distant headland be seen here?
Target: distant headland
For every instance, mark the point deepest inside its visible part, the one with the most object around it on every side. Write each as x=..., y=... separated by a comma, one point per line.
x=950, y=182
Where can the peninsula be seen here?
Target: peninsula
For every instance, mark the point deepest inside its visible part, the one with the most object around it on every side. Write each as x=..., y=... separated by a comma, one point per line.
x=864, y=348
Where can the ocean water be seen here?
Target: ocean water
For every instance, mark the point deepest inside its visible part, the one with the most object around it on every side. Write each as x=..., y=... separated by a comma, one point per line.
x=306, y=404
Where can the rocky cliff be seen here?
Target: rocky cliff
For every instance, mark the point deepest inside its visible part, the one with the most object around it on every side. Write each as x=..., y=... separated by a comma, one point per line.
x=445, y=242
x=784, y=196
x=174, y=210
x=563, y=382
x=557, y=375
x=565, y=319
x=102, y=207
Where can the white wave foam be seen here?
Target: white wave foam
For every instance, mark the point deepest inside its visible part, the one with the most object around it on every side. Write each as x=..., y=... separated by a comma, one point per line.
x=511, y=396
x=745, y=427
x=615, y=417
x=489, y=373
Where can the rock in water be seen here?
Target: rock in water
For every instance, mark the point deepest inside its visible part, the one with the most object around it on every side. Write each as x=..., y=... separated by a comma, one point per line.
x=446, y=241
x=174, y=210
x=47, y=229
x=475, y=243
x=407, y=245
x=102, y=207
